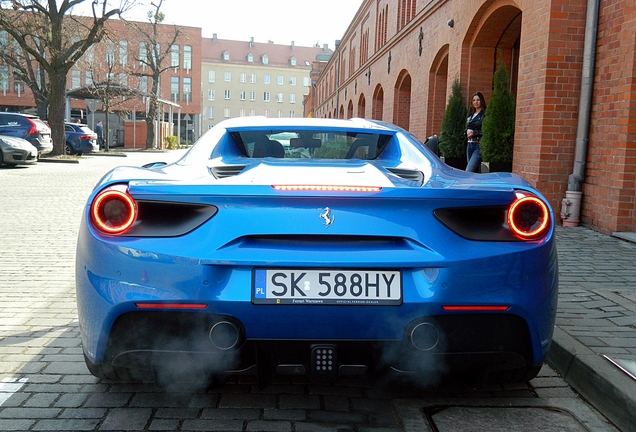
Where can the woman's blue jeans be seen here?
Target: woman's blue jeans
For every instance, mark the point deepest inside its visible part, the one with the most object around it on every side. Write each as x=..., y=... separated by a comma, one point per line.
x=473, y=155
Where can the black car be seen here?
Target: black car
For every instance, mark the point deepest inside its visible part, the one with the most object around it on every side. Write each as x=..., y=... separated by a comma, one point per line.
x=80, y=139
x=28, y=127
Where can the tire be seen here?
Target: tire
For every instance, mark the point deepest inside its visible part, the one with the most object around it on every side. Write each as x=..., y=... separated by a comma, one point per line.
x=68, y=149
x=1, y=158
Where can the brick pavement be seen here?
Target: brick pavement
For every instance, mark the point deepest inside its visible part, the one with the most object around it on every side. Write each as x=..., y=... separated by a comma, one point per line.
x=44, y=384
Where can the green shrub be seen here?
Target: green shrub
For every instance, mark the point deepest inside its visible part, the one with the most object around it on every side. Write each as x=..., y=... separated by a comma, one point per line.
x=452, y=140
x=171, y=142
x=498, y=128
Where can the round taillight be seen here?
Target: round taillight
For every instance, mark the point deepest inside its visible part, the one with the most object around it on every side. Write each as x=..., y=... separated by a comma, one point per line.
x=528, y=217
x=113, y=211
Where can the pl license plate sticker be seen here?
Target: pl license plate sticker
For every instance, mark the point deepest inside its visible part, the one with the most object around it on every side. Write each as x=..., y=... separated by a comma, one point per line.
x=327, y=287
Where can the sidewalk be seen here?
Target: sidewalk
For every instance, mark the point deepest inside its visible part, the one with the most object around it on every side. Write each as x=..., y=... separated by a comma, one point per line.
x=596, y=319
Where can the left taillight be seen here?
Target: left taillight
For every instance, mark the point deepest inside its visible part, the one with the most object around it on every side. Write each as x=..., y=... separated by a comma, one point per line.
x=113, y=210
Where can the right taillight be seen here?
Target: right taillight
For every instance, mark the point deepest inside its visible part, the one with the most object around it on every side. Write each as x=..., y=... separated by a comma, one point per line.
x=528, y=217
x=113, y=211
x=34, y=127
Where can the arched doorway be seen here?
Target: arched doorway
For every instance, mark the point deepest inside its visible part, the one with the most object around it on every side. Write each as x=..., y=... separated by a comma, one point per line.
x=402, y=100
x=437, y=90
x=377, y=106
x=361, y=106
x=350, y=109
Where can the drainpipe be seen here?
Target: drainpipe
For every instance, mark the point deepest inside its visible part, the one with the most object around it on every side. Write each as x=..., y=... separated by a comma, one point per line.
x=571, y=204
x=337, y=45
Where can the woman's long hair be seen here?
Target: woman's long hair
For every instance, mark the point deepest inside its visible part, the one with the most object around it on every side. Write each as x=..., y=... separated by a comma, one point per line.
x=471, y=110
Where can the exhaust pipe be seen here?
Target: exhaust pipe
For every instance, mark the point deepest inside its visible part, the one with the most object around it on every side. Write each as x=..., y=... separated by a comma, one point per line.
x=224, y=335
x=424, y=336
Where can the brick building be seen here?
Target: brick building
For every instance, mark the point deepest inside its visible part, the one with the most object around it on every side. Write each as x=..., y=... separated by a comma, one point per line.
x=117, y=57
x=398, y=58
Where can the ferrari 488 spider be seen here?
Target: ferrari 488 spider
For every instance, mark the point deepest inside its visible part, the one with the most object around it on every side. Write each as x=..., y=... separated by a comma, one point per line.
x=315, y=247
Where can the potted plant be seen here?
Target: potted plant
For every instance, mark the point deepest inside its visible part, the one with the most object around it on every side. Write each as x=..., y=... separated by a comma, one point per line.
x=452, y=143
x=498, y=127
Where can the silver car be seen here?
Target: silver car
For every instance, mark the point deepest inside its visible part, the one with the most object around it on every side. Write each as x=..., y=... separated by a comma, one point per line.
x=17, y=151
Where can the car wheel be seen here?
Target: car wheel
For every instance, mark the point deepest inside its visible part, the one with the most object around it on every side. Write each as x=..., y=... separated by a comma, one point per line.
x=1, y=158
x=68, y=149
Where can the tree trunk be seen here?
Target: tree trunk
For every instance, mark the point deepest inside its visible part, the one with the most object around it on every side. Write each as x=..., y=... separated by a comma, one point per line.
x=57, y=110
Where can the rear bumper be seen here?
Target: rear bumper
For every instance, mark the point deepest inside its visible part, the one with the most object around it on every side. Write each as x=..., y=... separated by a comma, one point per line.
x=217, y=344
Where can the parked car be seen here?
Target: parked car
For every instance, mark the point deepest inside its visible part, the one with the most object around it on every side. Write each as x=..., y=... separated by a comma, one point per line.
x=28, y=127
x=17, y=151
x=363, y=254
x=80, y=139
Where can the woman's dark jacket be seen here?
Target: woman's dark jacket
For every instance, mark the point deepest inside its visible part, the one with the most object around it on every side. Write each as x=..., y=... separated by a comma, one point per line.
x=475, y=125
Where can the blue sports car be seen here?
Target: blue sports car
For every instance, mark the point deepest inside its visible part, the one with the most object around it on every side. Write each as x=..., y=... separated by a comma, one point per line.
x=315, y=247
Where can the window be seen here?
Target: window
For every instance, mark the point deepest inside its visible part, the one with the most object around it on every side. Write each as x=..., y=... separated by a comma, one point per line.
x=211, y=76
x=266, y=96
x=174, y=56
x=143, y=54
x=279, y=114
x=110, y=76
x=76, y=79
x=88, y=78
x=123, y=79
x=89, y=55
x=266, y=79
x=279, y=97
x=281, y=80
x=187, y=57
x=253, y=78
x=265, y=59
x=211, y=113
x=228, y=76
x=18, y=86
x=4, y=78
x=174, y=89
x=252, y=96
x=306, y=81
x=292, y=61
x=292, y=81
x=226, y=113
x=252, y=112
x=187, y=89
x=110, y=53
x=143, y=84
x=211, y=94
x=123, y=52
x=250, y=57
x=292, y=114
x=292, y=98
x=243, y=77
x=226, y=55
x=227, y=94
x=242, y=112
x=243, y=95
x=266, y=113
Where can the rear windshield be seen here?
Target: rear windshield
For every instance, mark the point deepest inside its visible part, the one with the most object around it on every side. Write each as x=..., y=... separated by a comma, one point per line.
x=309, y=144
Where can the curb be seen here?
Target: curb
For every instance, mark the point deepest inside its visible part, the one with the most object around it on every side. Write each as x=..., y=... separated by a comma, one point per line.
x=606, y=387
x=51, y=160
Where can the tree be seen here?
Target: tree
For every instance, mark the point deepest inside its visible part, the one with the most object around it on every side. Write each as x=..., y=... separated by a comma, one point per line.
x=55, y=39
x=498, y=127
x=26, y=70
x=152, y=59
x=453, y=134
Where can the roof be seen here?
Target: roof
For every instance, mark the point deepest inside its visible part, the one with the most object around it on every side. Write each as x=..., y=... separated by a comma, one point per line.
x=212, y=50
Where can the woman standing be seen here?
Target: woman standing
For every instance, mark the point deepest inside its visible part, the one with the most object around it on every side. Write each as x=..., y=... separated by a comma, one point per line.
x=476, y=115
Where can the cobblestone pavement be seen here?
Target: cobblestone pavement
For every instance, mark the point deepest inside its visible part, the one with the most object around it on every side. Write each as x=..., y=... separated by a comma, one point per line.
x=45, y=386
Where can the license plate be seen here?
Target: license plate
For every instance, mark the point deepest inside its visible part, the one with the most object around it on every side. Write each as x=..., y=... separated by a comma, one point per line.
x=327, y=287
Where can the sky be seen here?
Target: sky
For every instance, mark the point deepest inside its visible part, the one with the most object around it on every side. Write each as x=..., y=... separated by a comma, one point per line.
x=306, y=22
